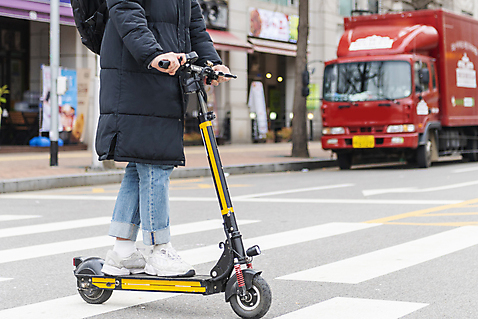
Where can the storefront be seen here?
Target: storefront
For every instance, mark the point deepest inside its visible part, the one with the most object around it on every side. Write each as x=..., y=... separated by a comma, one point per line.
x=216, y=14
x=24, y=38
x=262, y=51
x=271, y=70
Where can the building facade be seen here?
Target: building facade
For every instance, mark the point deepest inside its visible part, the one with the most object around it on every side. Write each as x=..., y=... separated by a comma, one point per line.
x=255, y=38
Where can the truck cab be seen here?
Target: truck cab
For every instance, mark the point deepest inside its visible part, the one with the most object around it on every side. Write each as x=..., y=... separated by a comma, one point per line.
x=403, y=86
x=372, y=104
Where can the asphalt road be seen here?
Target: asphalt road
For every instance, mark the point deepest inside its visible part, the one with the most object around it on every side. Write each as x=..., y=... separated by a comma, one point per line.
x=378, y=242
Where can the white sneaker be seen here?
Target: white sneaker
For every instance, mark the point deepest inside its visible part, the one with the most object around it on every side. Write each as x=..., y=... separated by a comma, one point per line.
x=165, y=261
x=116, y=266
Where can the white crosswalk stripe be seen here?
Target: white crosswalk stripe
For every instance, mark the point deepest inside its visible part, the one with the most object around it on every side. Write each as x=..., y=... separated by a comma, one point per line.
x=55, y=308
x=79, y=223
x=45, y=228
x=283, y=239
x=36, y=251
x=76, y=308
x=6, y=218
x=382, y=262
x=365, y=267
x=248, y=199
x=355, y=308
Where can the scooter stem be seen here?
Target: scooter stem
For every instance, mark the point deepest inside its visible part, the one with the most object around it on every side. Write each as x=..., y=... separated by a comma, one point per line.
x=222, y=191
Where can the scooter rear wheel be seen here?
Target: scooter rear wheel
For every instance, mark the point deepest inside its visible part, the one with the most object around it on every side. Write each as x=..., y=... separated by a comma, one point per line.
x=90, y=293
x=257, y=301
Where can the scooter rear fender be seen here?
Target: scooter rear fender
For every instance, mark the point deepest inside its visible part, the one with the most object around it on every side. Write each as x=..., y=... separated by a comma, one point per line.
x=91, y=265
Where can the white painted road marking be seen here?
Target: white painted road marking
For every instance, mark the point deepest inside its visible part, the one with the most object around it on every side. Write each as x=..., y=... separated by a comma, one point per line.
x=37, y=251
x=250, y=200
x=77, y=308
x=57, y=308
x=415, y=189
x=382, y=262
x=5, y=218
x=290, y=191
x=44, y=228
x=79, y=223
x=355, y=308
x=283, y=239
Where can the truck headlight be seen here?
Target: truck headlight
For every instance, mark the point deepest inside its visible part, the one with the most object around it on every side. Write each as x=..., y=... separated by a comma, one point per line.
x=333, y=130
x=404, y=128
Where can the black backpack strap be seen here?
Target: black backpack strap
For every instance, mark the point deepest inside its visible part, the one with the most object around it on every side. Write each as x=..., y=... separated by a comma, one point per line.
x=101, y=14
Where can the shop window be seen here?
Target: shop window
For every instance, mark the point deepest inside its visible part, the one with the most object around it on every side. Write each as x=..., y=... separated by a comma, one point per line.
x=14, y=58
x=351, y=7
x=20, y=125
x=346, y=7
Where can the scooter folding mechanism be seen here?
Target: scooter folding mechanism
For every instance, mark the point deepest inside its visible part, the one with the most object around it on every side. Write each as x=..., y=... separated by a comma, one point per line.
x=247, y=292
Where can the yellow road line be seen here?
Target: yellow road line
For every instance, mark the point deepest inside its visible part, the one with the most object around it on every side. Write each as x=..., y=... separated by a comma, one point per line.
x=421, y=212
x=448, y=214
x=451, y=224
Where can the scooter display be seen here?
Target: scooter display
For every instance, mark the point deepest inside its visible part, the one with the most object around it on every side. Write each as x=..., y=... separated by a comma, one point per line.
x=247, y=292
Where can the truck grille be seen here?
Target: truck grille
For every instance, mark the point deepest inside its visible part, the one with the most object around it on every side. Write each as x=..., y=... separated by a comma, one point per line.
x=366, y=129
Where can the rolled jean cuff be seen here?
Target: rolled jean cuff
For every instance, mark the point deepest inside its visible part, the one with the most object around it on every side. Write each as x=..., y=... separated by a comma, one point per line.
x=123, y=230
x=158, y=237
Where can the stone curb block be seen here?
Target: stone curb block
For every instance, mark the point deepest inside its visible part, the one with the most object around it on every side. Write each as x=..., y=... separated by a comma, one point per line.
x=110, y=177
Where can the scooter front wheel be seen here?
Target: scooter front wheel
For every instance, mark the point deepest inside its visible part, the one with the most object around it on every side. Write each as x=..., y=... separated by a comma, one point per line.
x=257, y=301
x=90, y=293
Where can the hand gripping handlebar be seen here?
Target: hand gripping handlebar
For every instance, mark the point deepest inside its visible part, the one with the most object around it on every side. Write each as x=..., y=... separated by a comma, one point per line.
x=203, y=72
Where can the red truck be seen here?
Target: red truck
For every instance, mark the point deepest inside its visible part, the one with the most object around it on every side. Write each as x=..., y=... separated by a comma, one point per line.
x=403, y=87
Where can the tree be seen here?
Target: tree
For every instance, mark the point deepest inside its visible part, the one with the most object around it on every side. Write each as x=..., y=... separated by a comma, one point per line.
x=299, y=122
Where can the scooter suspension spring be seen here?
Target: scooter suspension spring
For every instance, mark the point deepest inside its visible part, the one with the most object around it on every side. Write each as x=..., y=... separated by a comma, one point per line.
x=239, y=276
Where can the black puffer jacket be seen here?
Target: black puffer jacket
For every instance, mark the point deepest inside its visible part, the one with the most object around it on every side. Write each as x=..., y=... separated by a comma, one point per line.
x=142, y=109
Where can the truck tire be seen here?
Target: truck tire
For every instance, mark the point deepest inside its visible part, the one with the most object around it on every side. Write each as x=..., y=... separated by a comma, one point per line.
x=344, y=160
x=424, y=154
x=472, y=145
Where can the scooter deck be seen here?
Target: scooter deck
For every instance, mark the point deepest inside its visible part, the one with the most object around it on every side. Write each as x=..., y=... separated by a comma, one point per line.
x=199, y=284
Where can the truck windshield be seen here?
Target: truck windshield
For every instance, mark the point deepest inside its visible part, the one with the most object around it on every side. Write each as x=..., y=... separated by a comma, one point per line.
x=367, y=81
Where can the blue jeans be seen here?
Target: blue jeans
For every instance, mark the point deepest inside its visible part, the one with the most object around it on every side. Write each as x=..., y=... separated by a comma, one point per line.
x=143, y=199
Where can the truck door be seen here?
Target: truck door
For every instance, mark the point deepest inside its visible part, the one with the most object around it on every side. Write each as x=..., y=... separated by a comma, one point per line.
x=426, y=92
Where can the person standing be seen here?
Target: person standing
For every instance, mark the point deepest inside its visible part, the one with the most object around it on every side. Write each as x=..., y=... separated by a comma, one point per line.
x=141, y=122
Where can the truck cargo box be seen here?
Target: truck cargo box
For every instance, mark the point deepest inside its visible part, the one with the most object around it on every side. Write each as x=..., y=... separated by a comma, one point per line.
x=450, y=38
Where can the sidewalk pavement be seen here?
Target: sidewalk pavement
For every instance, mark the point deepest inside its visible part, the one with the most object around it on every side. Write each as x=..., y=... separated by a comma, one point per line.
x=32, y=171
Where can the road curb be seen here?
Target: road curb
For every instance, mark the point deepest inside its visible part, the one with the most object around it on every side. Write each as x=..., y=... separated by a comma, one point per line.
x=110, y=177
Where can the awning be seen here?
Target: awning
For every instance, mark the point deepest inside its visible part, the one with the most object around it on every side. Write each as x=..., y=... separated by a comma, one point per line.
x=35, y=10
x=274, y=47
x=224, y=40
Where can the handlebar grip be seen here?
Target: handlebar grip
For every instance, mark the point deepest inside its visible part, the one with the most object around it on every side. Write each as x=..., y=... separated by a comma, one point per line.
x=164, y=64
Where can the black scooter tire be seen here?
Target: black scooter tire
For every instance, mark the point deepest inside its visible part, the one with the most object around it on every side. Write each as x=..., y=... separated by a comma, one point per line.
x=91, y=294
x=257, y=302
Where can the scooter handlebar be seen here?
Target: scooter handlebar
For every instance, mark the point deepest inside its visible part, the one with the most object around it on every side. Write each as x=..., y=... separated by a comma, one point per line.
x=189, y=67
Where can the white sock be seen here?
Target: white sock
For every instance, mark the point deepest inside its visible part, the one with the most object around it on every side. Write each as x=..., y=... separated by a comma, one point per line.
x=124, y=248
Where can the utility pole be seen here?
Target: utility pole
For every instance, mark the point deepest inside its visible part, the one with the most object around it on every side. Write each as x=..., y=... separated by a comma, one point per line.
x=54, y=66
x=95, y=163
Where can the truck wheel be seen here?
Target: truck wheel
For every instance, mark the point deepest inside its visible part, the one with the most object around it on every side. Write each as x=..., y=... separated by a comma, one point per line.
x=257, y=301
x=345, y=160
x=424, y=154
x=472, y=145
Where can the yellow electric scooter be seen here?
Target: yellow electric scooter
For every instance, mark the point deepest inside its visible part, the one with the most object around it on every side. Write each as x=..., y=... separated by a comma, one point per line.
x=247, y=292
